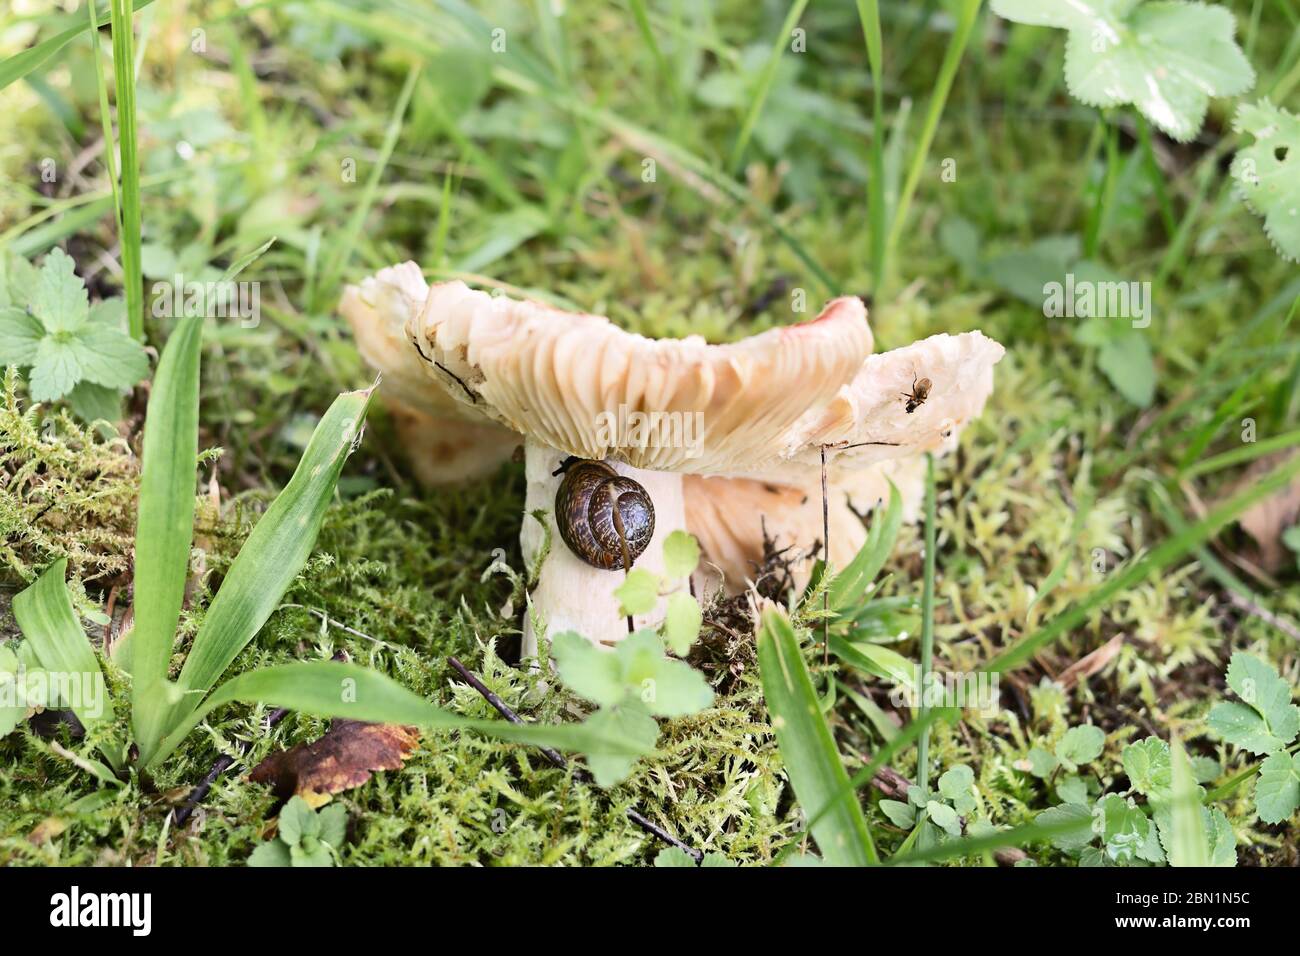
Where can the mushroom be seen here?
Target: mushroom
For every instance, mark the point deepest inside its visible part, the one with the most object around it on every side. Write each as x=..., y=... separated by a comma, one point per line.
x=678, y=432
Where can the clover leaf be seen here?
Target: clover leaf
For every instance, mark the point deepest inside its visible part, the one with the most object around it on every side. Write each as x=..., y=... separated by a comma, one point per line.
x=1165, y=58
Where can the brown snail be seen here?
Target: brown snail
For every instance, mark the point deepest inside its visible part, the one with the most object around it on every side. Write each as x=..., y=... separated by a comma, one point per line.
x=605, y=518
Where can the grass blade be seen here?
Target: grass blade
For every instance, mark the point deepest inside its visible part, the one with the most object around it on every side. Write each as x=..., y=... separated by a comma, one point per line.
x=339, y=260
x=30, y=60
x=164, y=524
x=44, y=612
x=927, y=631
x=807, y=747
x=276, y=550
x=938, y=97
x=331, y=689
x=765, y=80
x=869, y=15
x=848, y=586
x=1181, y=543
x=121, y=13
x=1189, y=844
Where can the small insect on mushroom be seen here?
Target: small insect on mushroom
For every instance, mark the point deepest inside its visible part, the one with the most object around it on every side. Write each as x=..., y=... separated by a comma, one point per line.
x=919, y=393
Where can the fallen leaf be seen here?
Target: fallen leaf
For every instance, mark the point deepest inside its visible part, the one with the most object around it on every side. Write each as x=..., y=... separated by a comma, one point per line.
x=344, y=758
x=1091, y=663
x=1267, y=520
x=46, y=830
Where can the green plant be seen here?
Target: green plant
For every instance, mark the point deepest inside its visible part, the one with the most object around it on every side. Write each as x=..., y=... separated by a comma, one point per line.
x=71, y=349
x=1263, y=722
x=676, y=857
x=305, y=837
x=947, y=812
x=1165, y=58
x=1267, y=172
x=164, y=711
x=641, y=590
x=1171, y=826
x=630, y=685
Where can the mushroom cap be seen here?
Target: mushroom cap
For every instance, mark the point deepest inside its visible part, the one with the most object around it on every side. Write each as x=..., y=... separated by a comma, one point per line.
x=731, y=517
x=444, y=444
x=580, y=384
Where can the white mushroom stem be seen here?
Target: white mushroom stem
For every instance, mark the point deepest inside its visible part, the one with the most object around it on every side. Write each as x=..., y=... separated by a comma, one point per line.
x=571, y=595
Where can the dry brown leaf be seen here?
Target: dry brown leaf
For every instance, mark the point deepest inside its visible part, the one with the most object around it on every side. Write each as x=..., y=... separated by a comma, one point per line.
x=1266, y=520
x=344, y=758
x=1091, y=663
x=46, y=830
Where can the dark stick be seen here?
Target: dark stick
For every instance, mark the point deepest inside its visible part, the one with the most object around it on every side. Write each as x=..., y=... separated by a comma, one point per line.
x=558, y=760
x=826, y=566
x=223, y=763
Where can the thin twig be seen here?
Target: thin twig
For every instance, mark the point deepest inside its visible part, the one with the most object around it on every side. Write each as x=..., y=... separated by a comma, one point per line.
x=826, y=567
x=558, y=760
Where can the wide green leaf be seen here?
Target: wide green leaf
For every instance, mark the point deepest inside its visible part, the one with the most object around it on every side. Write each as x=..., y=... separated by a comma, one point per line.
x=276, y=550
x=45, y=614
x=1268, y=172
x=332, y=689
x=164, y=526
x=807, y=747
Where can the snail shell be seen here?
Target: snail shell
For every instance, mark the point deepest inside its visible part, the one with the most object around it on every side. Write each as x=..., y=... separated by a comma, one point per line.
x=585, y=514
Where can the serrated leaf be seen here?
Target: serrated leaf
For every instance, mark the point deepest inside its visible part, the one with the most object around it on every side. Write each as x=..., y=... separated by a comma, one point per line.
x=92, y=403
x=1079, y=817
x=109, y=357
x=1165, y=58
x=681, y=555
x=1258, y=683
x=1122, y=826
x=55, y=369
x=665, y=687
x=1147, y=764
x=682, y=620
x=1080, y=745
x=1277, y=791
x=1267, y=172
x=333, y=824
x=638, y=593
x=59, y=299
x=20, y=334
x=1243, y=727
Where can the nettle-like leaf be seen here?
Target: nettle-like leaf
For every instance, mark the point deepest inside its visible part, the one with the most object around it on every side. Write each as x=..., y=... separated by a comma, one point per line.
x=632, y=684
x=1148, y=766
x=1267, y=172
x=1267, y=720
x=74, y=350
x=1165, y=58
x=1277, y=791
